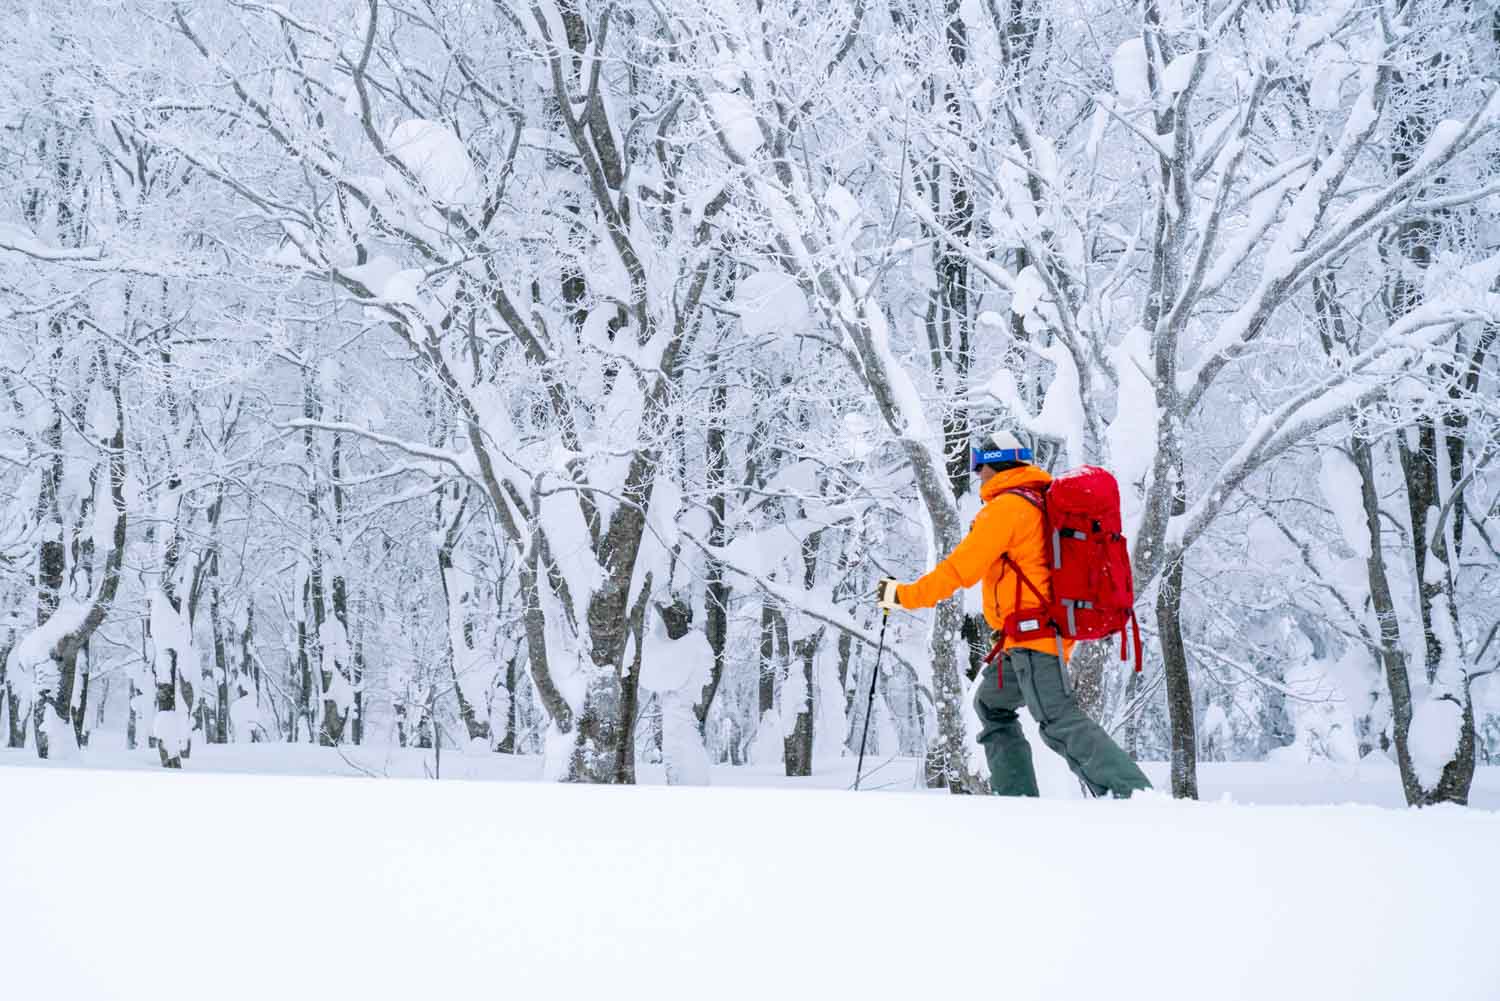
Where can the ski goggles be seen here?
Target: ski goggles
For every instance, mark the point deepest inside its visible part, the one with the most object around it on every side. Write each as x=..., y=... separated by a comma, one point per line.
x=980, y=457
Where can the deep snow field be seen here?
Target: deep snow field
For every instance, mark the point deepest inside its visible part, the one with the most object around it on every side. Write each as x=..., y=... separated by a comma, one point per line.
x=121, y=881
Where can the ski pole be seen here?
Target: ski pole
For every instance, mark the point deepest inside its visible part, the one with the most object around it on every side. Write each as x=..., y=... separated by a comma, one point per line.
x=870, y=703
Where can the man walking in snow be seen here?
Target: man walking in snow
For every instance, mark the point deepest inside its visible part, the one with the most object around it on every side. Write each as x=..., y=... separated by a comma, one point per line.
x=1029, y=671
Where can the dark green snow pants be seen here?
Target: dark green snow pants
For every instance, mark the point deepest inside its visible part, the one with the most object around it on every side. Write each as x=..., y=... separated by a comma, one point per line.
x=1036, y=679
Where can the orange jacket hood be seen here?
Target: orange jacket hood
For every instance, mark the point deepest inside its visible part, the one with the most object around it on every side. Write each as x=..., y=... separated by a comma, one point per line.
x=1011, y=479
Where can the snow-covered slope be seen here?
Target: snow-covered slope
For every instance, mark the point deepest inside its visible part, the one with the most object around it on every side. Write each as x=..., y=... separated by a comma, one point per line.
x=154, y=885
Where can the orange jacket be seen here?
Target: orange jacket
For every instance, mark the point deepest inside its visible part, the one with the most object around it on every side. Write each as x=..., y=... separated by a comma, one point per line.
x=1005, y=524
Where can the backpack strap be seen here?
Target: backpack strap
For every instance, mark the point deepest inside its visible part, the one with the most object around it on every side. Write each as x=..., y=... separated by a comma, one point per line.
x=1031, y=495
x=1021, y=578
x=1034, y=497
x=1135, y=628
x=1128, y=633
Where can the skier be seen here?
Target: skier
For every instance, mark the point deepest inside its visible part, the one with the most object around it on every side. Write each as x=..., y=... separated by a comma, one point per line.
x=1030, y=670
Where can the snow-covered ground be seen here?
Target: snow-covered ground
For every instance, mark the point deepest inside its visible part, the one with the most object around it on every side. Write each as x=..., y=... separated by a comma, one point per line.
x=1372, y=782
x=128, y=882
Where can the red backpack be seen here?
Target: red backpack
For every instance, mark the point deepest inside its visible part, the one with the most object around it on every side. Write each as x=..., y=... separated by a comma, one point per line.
x=1093, y=592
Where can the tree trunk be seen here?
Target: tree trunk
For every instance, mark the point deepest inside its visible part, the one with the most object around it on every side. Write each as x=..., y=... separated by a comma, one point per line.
x=716, y=592
x=427, y=720
x=166, y=701
x=630, y=686
x=81, y=704
x=218, y=731
x=131, y=719
x=460, y=630
x=357, y=679
x=797, y=750
x=596, y=749
x=947, y=764
x=798, y=745
x=1087, y=667
x=303, y=711
x=51, y=566
x=323, y=716
x=1391, y=654
x=58, y=698
x=767, y=677
x=1184, y=744
x=601, y=727
x=1132, y=742
x=1438, y=437
x=174, y=688
x=507, y=743
x=955, y=206
x=1436, y=597
x=15, y=719
x=249, y=669
x=335, y=672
